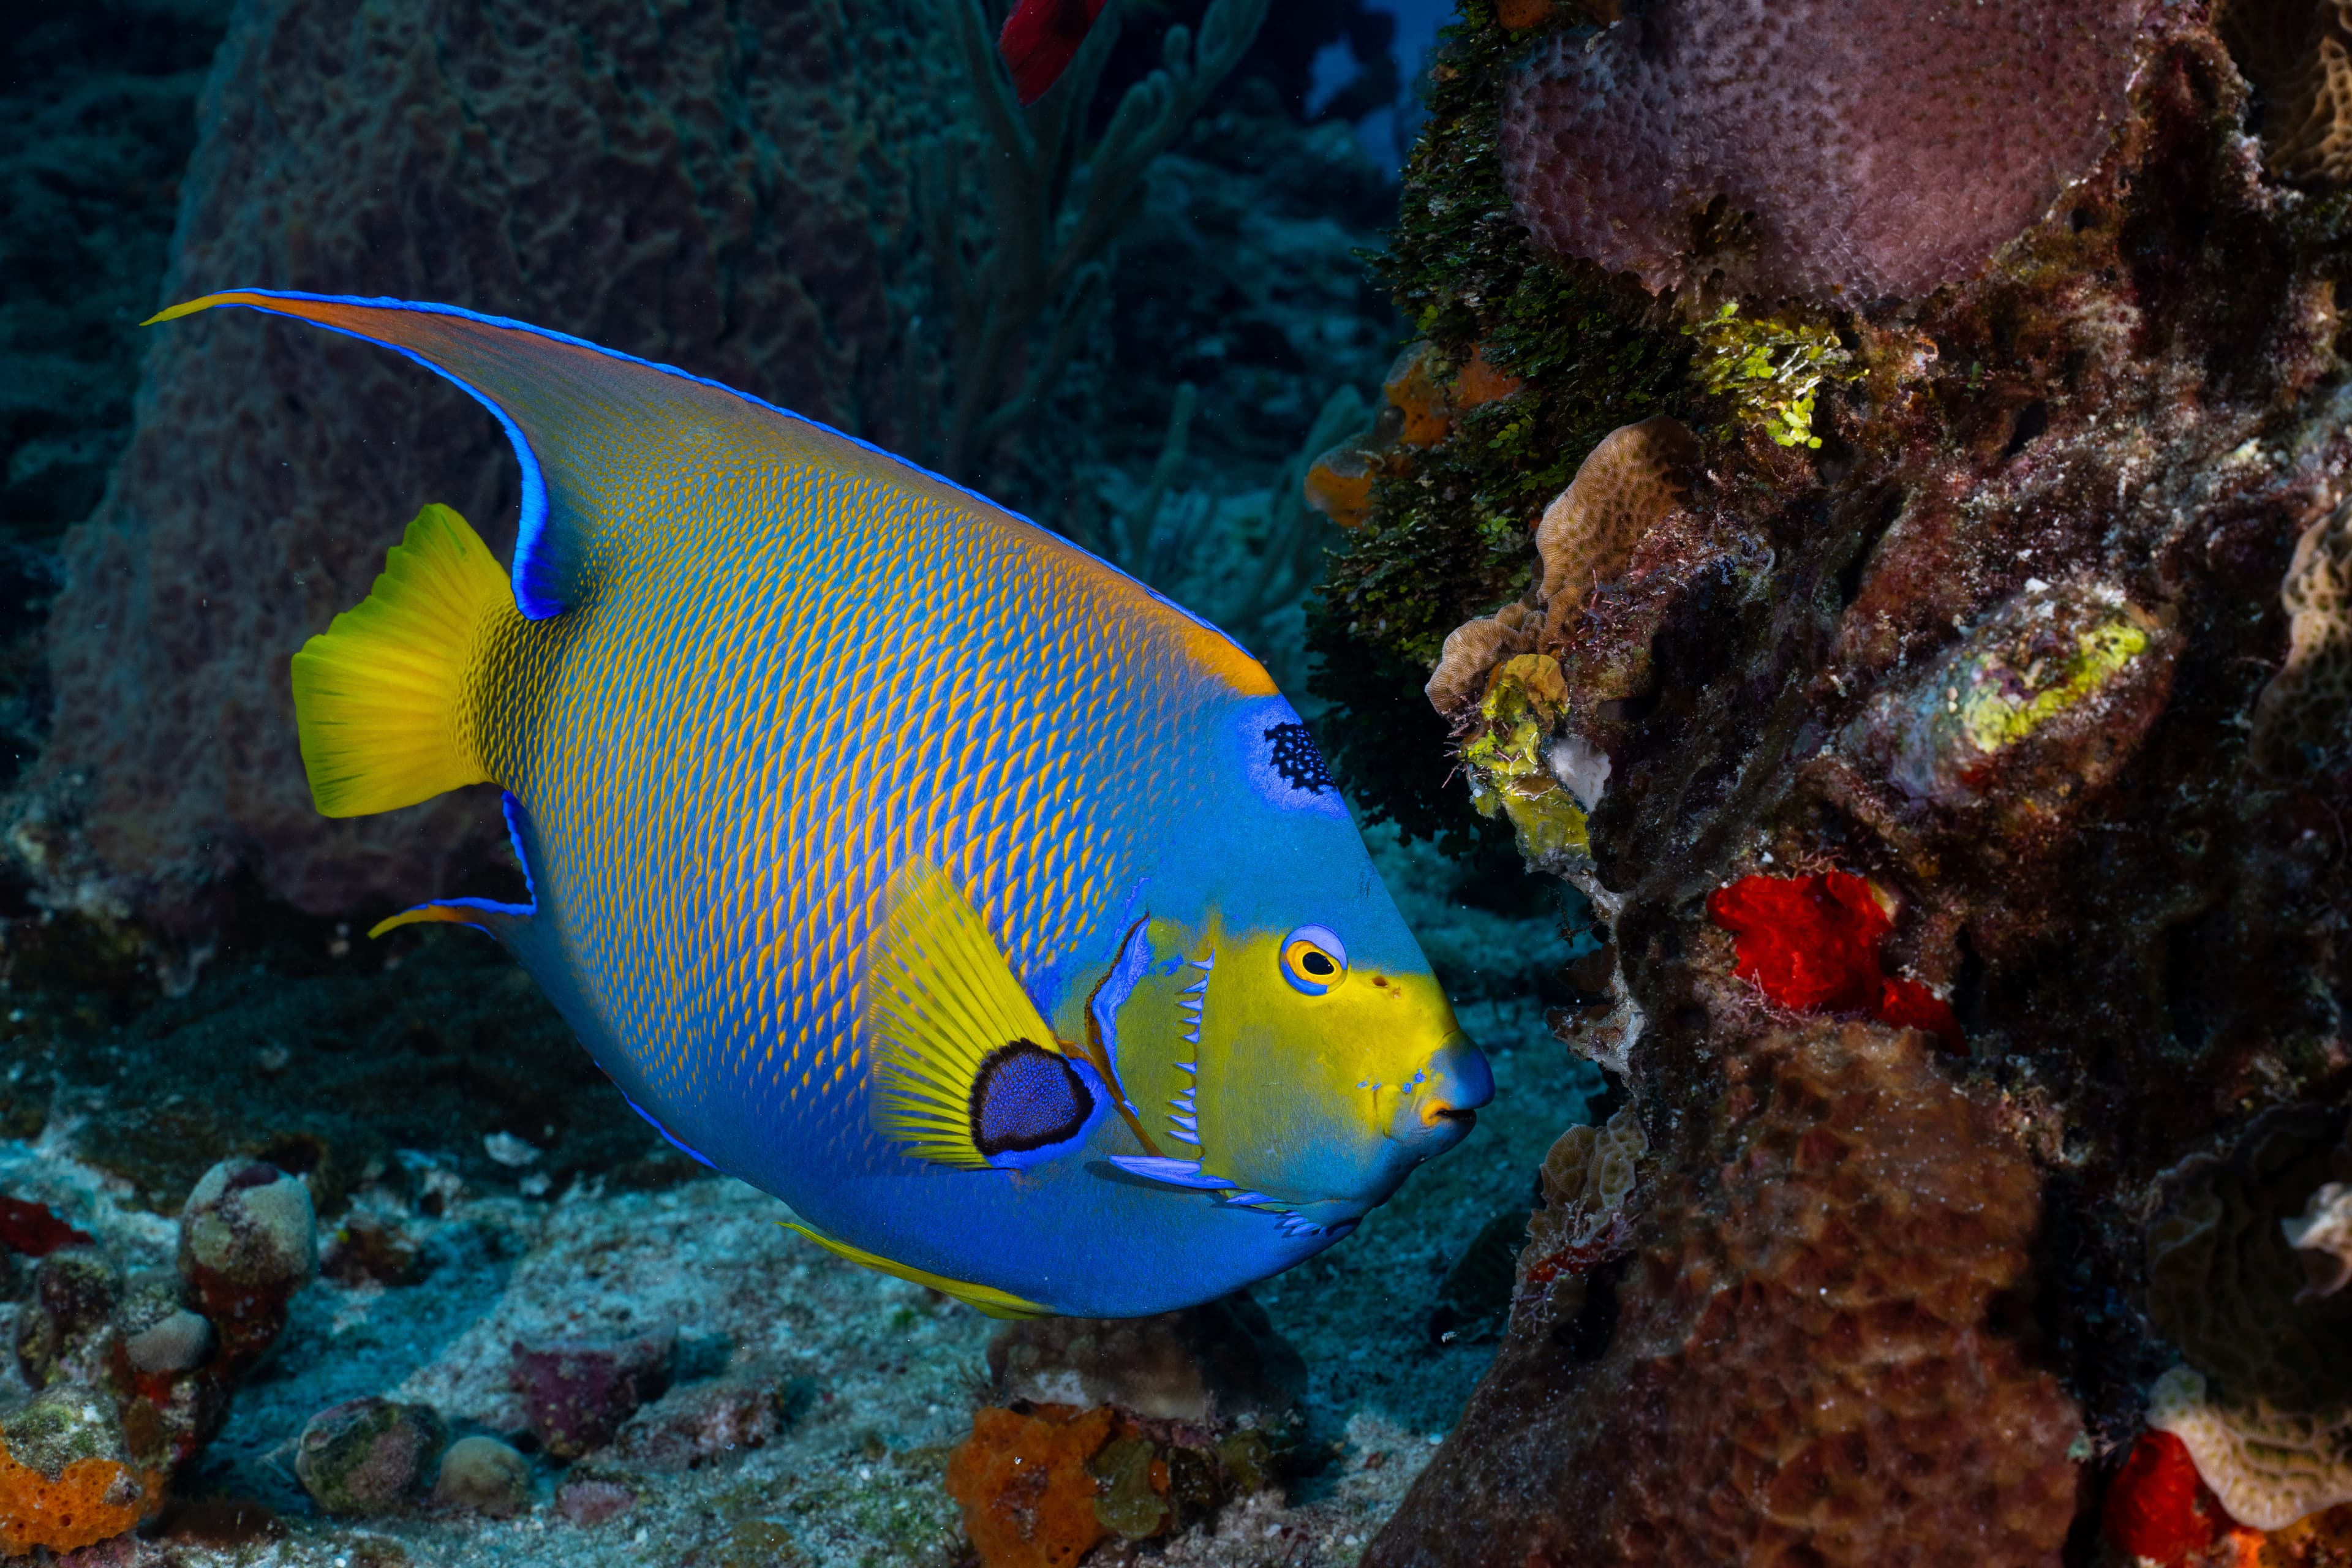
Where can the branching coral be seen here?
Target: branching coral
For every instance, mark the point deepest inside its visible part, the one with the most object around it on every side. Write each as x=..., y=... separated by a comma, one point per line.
x=1827, y=148
x=2303, y=720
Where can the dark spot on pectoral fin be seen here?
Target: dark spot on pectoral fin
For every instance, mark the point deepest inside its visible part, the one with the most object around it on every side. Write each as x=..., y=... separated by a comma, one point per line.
x=1024, y=1098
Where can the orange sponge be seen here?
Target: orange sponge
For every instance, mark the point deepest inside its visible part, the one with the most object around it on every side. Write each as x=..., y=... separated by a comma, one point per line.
x=1028, y=1497
x=88, y=1501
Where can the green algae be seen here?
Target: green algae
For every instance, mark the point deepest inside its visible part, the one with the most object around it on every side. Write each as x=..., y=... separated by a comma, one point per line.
x=1506, y=758
x=1770, y=369
x=1450, y=539
x=1993, y=717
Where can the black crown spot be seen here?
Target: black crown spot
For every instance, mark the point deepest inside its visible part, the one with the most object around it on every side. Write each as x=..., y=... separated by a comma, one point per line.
x=1292, y=752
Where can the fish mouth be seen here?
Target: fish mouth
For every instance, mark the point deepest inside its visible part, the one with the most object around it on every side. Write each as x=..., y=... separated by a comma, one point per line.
x=1463, y=1116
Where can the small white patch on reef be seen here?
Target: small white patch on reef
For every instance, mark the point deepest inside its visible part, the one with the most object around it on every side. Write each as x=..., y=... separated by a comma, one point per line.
x=2322, y=1237
x=508, y=1150
x=1581, y=767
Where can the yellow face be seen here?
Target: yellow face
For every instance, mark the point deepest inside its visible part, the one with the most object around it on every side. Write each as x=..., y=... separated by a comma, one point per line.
x=1290, y=1073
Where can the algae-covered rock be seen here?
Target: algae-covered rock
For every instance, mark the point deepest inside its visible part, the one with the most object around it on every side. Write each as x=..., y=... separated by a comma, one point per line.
x=369, y=1455
x=66, y=1476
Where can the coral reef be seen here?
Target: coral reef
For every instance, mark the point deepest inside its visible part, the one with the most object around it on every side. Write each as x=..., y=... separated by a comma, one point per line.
x=1953, y=723
x=1812, y=1353
x=2156, y=1507
x=2269, y=1467
x=2299, y=54
x=1586, y=1180
x=1829, y=150
x=1624, y=488
x=643, y=192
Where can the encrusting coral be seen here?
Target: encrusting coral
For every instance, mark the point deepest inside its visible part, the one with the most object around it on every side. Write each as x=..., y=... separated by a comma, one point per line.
x=2264, y=1404
x=2270, y=1467
x=1811, y=1355
x=1625, y=487
x=1587, y=1180
x=1830, y=149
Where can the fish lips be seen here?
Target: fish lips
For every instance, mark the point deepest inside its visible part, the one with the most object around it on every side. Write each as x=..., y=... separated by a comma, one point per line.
x=1444, y=1106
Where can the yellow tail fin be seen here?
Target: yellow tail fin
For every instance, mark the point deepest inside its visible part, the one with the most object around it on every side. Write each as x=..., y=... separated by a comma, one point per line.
x=380, y=696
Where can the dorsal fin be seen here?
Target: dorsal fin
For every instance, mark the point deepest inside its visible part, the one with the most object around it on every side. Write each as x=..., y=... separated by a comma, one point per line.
x=599, y=434
x=592, y=429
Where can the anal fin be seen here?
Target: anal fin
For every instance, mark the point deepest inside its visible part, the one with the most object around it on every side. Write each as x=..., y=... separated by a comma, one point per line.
x=985, y=1298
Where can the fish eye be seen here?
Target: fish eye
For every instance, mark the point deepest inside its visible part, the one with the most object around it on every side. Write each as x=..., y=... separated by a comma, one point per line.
x=1313, y=960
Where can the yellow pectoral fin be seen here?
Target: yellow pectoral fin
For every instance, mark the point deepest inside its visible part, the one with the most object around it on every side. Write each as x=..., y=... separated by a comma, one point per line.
x=987, y=1299
x=949, y=1024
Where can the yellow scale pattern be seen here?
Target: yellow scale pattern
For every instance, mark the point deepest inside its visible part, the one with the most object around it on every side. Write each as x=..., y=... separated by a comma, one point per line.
x=797, y=680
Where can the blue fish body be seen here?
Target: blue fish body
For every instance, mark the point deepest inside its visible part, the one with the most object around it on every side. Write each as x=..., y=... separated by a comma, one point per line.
x=889, y=852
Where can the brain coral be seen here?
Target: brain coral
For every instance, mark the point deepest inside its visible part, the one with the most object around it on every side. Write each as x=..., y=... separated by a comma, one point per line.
x=1821, y=148
x=1812, y=1357
x=1624, y=488
x=2224, y=1284
x=2299, y=53
x=2269, y=1467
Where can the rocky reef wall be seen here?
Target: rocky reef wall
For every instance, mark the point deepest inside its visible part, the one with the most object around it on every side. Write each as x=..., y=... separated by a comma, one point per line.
x=1939, y=696
x=715, y=191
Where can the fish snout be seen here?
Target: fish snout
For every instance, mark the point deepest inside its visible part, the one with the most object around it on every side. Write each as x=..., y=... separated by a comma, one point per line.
x=1454, y=1084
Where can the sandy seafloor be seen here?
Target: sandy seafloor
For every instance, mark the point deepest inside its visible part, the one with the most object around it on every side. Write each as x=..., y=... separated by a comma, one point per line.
x=885, y=1374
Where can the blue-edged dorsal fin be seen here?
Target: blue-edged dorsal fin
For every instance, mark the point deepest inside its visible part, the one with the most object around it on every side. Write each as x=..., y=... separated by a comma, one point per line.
x=608, y=441
x=597, y=433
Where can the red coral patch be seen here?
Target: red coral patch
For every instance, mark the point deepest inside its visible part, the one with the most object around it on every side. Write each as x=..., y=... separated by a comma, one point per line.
x=32, y=1229
x=2159, y=1508
x=1810, y=944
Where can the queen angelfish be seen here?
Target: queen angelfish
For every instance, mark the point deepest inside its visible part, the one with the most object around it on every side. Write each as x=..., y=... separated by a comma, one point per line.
x=889, y=852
